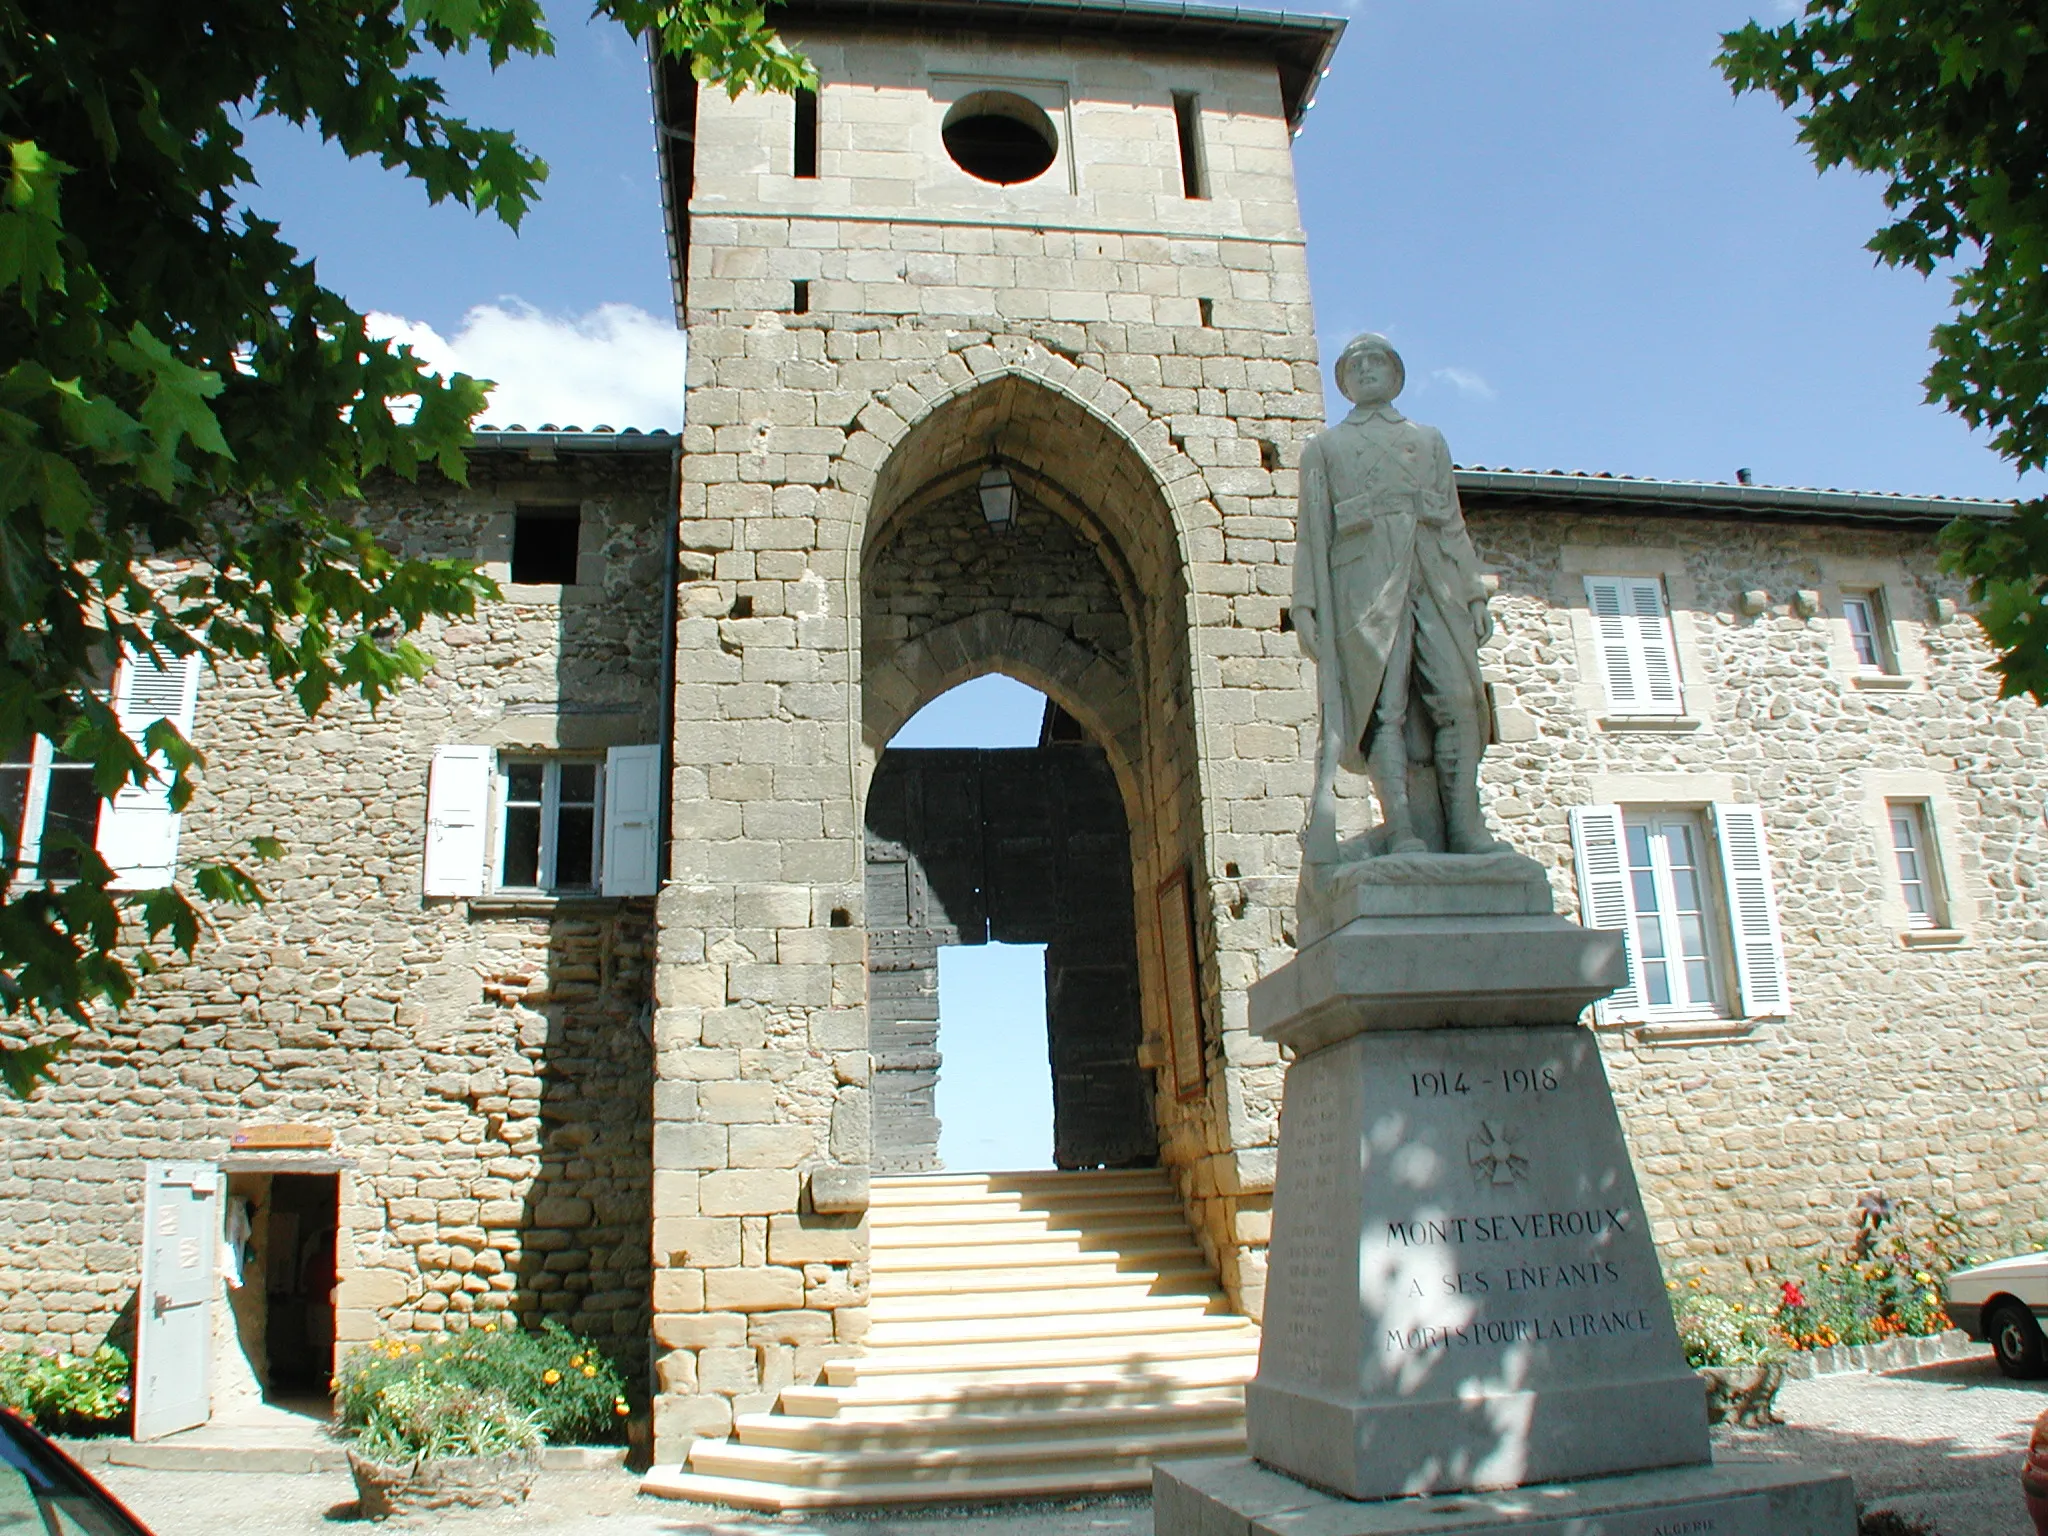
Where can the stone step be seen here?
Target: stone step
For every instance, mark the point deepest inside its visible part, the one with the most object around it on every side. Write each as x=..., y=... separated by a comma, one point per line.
x=1032, y=1213
x=1135, y=1253
x=1049, y=1422
x=910, y=1188
x=746, y=1493
x=1049, y=1272
x=964, y=1363
x=1124, y=1235
x=1121, y=1299
x=997, y=1332
x=911, y=1402
x=958, y=1465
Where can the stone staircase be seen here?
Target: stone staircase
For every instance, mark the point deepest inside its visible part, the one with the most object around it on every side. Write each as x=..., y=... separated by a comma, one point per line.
x=1032, y=1335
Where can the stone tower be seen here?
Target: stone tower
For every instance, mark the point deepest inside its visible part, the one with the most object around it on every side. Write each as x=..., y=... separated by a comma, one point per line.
x=1001, y=357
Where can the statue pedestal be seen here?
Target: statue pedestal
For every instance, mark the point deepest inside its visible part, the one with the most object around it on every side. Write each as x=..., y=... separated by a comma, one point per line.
x=1462, y=1291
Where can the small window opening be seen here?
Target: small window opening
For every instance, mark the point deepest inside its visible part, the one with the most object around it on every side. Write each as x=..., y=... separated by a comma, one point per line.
x=1208, y=307
x=841, y=918
x=1269, y=455
x=800, y=296
x=544, y=545
x=1286, y=621
x=1187, y=119
x=806, y=160
x=742, y=607
x=1230, y=871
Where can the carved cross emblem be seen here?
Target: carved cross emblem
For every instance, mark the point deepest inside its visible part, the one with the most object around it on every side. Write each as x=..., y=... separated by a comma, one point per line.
x=1495, y=1154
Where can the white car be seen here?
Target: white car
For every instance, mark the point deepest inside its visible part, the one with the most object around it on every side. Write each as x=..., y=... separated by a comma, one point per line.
x=2003, y=1303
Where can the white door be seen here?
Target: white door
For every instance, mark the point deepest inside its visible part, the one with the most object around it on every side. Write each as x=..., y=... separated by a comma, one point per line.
x=174, y=1327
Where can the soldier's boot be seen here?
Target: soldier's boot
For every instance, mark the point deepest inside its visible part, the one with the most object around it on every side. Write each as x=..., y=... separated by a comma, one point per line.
x=1457, y=768
x=1388, y=763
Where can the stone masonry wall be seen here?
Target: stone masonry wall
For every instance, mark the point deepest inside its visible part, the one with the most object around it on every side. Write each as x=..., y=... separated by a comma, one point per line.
x=486, y=1073
x=1909, y=1069
x=1148, y=358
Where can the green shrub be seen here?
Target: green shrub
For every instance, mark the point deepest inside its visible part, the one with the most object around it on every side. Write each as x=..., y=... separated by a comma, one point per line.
x=421, y=1417
x=570, y=1391
x=1717, y=1331
x=60, y=1391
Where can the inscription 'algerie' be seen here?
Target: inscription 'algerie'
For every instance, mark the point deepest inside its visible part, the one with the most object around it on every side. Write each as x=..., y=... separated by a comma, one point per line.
x=1507, y=1229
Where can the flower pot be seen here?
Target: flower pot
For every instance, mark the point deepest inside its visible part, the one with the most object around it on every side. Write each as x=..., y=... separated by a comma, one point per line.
x=2034, y=1475
x=448, y=1482
x=1742, y=1394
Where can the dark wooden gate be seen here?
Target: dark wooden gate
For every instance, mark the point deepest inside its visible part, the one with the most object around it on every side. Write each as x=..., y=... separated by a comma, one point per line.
x=1022, y=845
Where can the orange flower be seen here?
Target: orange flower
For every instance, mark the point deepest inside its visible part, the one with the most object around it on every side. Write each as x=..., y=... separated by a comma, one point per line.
x=619, y=1407
x=551, y=1376
x=590, y=1370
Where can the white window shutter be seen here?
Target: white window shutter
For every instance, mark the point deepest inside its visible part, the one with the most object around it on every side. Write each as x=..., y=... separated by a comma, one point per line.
x=1752, y=910
x=1600, y=850
x=458, y=820
x=1638, y=655
x=632, y=820
x=138, y=830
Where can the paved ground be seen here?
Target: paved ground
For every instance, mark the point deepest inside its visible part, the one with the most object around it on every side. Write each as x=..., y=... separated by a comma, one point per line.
x=1939, y=1443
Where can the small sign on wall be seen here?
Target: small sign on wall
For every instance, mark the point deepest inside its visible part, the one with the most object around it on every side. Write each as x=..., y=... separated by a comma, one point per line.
x=1181, y=965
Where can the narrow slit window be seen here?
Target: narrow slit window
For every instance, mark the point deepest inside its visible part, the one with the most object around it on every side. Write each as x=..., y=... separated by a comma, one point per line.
x=1912, y=849
x=1187, y=122
x=544, y=545
x=800, y=296
x=806, y=165
x=1208, y=308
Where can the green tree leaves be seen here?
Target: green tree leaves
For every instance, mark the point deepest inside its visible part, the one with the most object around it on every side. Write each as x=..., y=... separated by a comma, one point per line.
x=1948, y=101
x=187, y=415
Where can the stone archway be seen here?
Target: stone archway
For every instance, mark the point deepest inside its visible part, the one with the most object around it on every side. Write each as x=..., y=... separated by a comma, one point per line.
x=1084, y=597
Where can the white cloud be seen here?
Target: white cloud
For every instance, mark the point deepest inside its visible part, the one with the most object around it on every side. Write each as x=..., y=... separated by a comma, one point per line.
x=1466, y=382
x=616, y=366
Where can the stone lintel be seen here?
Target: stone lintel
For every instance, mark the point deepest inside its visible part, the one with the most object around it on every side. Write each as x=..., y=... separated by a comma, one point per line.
x=1436, y=972
x=1732, y=1496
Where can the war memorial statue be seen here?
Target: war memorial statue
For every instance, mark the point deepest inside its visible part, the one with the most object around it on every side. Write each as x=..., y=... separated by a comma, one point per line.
x=1389, y=605
x=1466, y=1326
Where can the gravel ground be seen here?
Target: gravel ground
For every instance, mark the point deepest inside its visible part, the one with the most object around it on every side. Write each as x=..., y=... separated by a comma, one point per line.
x=1940, y=1443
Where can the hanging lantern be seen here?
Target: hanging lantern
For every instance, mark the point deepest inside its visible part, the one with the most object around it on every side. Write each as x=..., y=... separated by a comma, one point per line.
x=998, y=494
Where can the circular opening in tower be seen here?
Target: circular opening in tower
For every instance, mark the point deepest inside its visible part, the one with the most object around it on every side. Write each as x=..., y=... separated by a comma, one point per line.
x=999, y=136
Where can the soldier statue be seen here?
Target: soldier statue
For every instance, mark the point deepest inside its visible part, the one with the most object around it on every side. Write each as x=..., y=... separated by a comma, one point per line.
x=1388, y=604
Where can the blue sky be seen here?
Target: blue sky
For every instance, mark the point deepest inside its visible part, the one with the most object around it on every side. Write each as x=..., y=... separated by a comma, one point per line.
x=1591, y=255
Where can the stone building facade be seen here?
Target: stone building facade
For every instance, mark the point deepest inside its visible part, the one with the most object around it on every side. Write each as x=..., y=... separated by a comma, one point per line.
x=480, y=1063
x=938, y=424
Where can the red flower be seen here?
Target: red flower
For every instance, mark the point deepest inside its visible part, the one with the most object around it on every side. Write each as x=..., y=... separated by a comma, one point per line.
x=1792, y=1295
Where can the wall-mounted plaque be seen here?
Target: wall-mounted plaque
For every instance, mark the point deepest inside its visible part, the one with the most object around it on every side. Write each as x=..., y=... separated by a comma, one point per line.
x=1181, y=966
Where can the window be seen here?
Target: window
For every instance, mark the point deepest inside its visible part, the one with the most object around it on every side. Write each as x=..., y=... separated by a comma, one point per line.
x=1638, y=657
x=1869, y=632
x=547, y=824
x=805, y=160
x=1668, y=882
x=532, y=824
x=1187, y=122
x=1913, y=850
x=545, y=541
x=46, y=801
x=1690, y=892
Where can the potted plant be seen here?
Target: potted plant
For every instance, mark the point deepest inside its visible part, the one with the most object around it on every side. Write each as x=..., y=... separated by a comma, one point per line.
x=1735, y=1350
x=461, y=1419
x=436, y=1444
